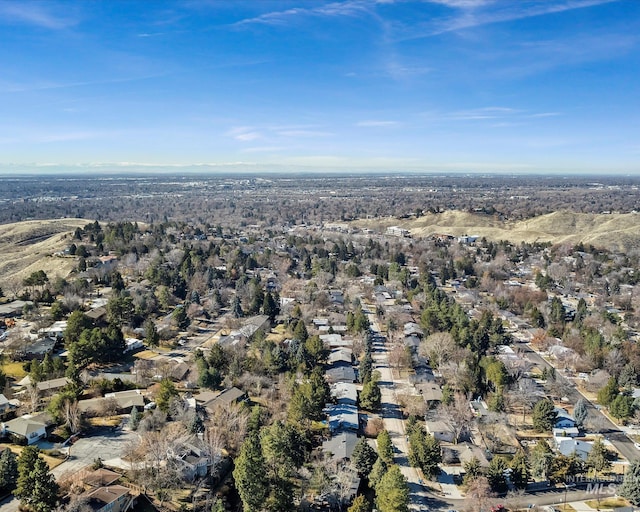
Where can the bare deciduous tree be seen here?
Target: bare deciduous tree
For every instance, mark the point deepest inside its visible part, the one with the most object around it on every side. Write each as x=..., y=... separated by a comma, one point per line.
x=478, y=494
x=72, y=415
x=438, y=348
x=399, y=357
x=34, y=397
x=229, y=424
x=458, y=416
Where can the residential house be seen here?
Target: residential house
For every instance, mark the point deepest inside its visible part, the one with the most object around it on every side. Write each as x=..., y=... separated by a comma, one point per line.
x=28, y=427
x=340, y=374
x=564, y=420
x=36, y=350
x=398, y=231
x=123, y=401
x=56, y=330
x=340, y=356
x=440, y=430
x=100, y=477
x=334, y=340
x=127, y=399
x=342, y=417
x=48, y=387
x=13, y=309
x=566, y=432
x=110, y=498
x=567, y=446
x=430, y=391
x=224, y=399
x=336, y=297
x=5, y=404
x=412, y=329
x=179, y=371
x=340, y=447
x=193, y=462
x=246, y=332
x=98, y=316
x=131, y=344
x=341, y=329
x=344, y=393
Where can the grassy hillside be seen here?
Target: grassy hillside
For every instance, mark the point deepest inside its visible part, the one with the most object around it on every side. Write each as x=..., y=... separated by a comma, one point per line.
x=615, y=231
x=28, y=246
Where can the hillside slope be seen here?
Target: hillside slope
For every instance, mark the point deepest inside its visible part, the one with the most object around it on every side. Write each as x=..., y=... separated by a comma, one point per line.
x=28, y=246
x=611, y=231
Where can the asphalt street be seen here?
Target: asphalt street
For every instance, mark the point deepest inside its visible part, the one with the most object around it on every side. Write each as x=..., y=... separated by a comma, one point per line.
x=617, y=438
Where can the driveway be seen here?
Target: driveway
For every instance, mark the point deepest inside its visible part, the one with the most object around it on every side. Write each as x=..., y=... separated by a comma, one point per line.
x=104, y=443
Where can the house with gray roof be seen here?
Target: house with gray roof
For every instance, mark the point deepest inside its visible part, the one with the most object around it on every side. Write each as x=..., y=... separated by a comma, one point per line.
x=340, y=447
x=344, y=393
x=28, y=427
x=342, y=417
x=225, y=398
x=567, y=446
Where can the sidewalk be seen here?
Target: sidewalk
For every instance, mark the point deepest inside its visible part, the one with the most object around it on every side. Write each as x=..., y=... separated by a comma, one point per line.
x=581, y=506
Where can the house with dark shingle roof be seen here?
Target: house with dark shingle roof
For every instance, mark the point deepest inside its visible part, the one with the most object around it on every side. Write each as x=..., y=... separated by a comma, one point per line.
x=340, y=446
x=111, y=498
x=225, y=398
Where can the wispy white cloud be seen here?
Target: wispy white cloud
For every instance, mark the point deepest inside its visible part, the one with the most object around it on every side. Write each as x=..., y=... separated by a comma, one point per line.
x=264, y=149
x=546, y=114
x=249, y=136
x=70, y=136
x=275, y=134
x=46, y=85
x=40, y=14
x=535, y=57
x=303, y=133
x=494, y=116
x=463, y=4
x=398, y=71
x=472, y=14
x=244, y=133
x=482, y=113
x=348, y=8
x=376, y=123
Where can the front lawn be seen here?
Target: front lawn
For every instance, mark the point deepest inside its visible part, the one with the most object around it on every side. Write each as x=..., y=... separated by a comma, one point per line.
x=612, y=502
x=14, y=370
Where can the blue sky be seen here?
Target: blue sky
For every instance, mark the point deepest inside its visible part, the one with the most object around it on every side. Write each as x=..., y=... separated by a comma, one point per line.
x=440, y=85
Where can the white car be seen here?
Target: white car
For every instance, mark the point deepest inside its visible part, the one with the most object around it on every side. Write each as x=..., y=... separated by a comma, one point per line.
x=637, y=445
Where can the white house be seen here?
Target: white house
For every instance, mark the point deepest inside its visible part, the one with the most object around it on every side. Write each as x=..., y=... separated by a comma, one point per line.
x=568, y=446
x=566, y=432
x=26, y=426
x=132, y=344
x=440, y=430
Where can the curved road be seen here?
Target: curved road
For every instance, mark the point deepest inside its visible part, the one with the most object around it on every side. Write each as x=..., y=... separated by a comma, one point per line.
x=617, y=438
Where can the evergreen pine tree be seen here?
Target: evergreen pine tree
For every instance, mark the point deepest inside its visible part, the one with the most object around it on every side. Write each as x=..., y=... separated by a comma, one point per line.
x=8, y=470
x=392, y=492
x=250, y=474
x=134, y=419
x=630, y=487
x=580, y=412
